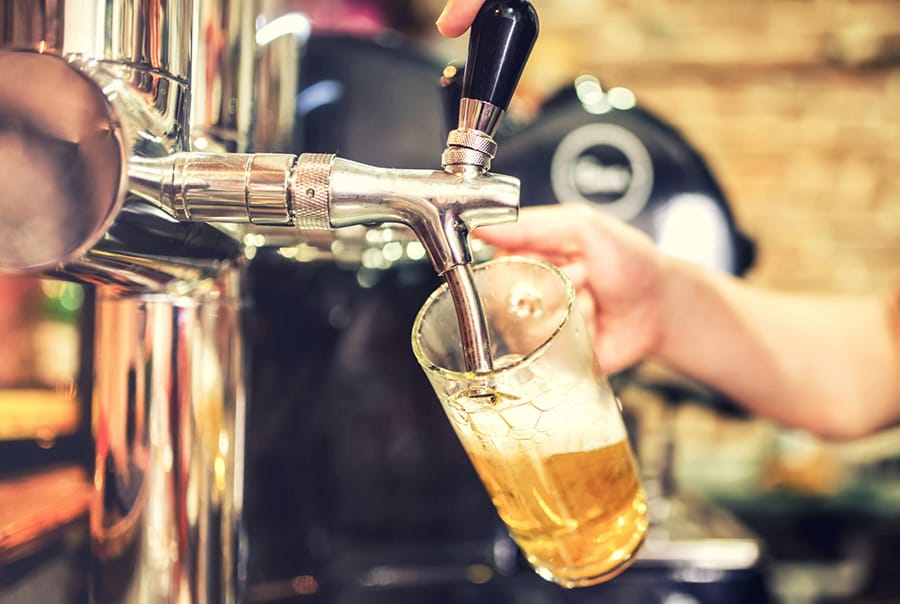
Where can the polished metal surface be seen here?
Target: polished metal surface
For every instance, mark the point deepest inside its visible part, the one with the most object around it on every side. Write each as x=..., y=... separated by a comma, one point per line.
x=281, y=37
x=441, y=208
x=168, y=420
x=68, y=204
x=168, y=412
x=60, y=163
x=213, y=188
x=151, y=35
x=471, y=147
x=479, y=115
x=473, y=330
x=310, y=198
x=245, y=74
x=148, y=35
x=130, y=181
x=472, y=139
x=325, y=192
x=222, y=82
x=36, y=24
x=320, y=191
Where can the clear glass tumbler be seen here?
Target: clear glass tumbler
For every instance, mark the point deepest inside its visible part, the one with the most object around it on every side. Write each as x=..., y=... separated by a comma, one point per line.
x=543, y=428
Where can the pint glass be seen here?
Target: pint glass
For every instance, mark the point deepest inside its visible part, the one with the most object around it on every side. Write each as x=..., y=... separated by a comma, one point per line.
x=543, y=428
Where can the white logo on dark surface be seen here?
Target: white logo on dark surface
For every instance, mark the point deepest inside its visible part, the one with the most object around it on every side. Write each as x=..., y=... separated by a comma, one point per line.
x=593, y=177
x=603, y=165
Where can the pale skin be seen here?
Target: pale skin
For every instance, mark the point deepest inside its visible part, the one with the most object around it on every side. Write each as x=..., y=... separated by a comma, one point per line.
x=828, y=364
x=457, y=17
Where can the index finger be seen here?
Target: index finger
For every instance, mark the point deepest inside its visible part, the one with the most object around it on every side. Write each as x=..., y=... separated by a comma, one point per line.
x=544, y=229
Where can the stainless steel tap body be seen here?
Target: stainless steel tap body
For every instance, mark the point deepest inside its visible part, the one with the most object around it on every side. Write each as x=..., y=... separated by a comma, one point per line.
x=168, y=416
x=139, y=85
x=154, y=182
x=320, y=192
x=109, y=84
x=440, y=207
x=119, y=123
x=87, y=90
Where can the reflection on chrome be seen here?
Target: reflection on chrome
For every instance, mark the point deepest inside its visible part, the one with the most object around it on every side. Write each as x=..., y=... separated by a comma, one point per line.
x=141, y=183
x=168, y=418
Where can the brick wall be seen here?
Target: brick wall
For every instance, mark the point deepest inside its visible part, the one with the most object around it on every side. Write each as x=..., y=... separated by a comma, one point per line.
x=794, y=103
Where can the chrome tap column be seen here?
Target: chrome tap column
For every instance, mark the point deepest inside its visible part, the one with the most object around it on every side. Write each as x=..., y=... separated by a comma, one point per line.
x=82, y=96
x=168, y=417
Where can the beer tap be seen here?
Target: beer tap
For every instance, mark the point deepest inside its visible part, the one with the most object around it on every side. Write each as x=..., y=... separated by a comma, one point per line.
x=101, y=183
x=143, y=156
x=322, y=192
x=501, y=38
x=316, y=192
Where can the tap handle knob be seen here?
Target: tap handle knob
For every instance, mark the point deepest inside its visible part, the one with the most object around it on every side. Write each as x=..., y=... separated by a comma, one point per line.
x=502, y=36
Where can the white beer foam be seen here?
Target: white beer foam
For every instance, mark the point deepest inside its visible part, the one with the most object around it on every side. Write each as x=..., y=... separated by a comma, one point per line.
x=582, y=418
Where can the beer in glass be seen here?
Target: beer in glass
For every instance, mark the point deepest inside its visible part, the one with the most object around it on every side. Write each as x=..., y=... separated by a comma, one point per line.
x=543, y=428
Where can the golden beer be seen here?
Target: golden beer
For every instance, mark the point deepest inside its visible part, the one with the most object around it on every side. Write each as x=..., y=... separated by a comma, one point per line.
x=578, y=517
x=542, y=427
x=563, y=479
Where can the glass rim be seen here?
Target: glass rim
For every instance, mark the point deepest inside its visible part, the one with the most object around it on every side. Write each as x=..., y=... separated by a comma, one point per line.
x=526, y=360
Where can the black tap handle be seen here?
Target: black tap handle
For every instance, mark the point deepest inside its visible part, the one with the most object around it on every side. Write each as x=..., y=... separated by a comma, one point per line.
x=501, y=38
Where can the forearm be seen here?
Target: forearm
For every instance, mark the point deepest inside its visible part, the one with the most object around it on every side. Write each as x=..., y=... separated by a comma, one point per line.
x=828, y=364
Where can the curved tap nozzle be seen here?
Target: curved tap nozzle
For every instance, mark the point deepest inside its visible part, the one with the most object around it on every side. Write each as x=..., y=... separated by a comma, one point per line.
x=441, y=208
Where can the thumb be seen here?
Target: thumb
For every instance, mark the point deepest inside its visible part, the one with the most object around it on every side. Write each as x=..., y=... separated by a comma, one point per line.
x=457, y=17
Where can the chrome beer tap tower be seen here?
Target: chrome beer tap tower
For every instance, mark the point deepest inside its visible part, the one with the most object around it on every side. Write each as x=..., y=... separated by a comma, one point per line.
x=131, y=134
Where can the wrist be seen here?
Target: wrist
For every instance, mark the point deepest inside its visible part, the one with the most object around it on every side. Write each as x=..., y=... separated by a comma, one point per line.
x=685, y=291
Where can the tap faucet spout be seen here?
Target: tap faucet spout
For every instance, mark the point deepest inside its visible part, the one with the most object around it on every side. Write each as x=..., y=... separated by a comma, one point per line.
x=321, y=192
x=441, y=208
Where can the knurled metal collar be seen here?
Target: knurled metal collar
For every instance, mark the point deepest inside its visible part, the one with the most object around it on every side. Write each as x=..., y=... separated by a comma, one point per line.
x=460, y=156
x=468, y=147
x=472, y=139
x=309, y=192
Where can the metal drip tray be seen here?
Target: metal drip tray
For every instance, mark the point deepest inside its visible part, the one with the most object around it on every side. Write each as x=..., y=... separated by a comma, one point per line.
x=695, y=534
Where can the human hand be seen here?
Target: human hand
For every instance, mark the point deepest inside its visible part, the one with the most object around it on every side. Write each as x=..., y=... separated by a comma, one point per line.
x=616, y=270
x=457, y=17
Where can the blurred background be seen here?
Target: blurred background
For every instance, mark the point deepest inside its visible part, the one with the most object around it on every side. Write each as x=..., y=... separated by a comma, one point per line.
x=793, y=103
x=794, y=107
